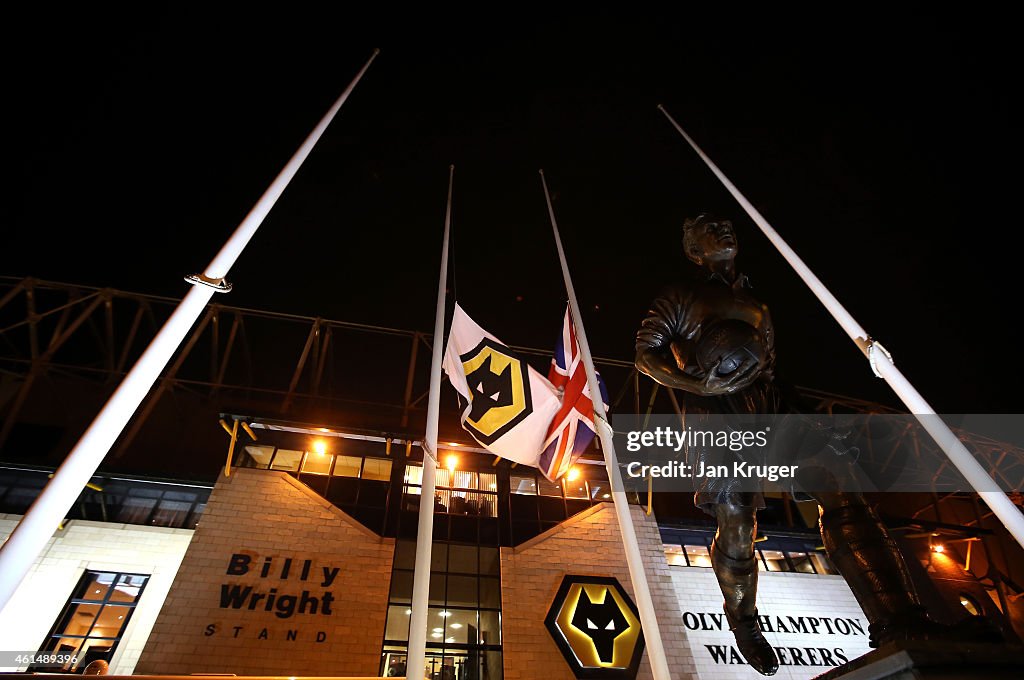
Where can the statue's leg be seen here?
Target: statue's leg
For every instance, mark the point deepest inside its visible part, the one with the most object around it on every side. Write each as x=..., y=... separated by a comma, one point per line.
x=735, y=566
x=861, y=548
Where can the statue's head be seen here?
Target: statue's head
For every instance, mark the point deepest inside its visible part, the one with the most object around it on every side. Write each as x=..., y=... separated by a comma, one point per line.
x=707, y=238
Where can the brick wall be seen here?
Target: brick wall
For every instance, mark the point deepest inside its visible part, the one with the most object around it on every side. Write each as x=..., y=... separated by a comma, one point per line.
x=100, y=546
x=260, y=514
x=588, y=544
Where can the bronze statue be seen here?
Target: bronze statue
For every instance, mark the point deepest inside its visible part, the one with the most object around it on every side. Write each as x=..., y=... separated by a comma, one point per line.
x=711, y=338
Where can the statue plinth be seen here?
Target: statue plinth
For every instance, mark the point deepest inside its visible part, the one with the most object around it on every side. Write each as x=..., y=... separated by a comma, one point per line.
x=925, y=659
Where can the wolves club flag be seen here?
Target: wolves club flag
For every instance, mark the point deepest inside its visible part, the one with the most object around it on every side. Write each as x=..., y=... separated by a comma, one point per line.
x=572, y=428
x=509, y=406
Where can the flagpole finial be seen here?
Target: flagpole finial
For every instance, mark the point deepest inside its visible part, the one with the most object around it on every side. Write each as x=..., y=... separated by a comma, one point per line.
x=541, y=171
x=451, y=167
x=376, y=51
x=661, y=107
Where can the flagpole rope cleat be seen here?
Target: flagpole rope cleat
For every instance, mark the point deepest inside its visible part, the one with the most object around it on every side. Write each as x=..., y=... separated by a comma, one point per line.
x=218, y=285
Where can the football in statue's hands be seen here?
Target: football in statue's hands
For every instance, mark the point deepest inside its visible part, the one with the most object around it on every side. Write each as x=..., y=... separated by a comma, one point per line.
x=729, y=341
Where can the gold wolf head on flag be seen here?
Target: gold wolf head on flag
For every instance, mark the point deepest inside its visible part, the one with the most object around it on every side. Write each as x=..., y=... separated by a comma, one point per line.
x=509, y=405
x=499, y=390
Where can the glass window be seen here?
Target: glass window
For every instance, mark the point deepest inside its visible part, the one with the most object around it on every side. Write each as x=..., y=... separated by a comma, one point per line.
x=774, y=560
x=461, y=591
x=970, y=604
x=462, y=558
x=317, y=463
x=405, y=555
x=397, y=627
x=436, y=594
x=546, y=487
x=488, y=481
x=576, y=489
x=461, y=479
x=459, y=626
x=463, y=619
x=171, y=513
x=599, y=490
x=193, y=520
x=674, y=555
x=128, y=588
x=285, y=459
x=393, y=661
x=490, y=560
x=348, y=466
x=697, y=555
x=94, y=586
x=450, y=496
x=442, y=477
x=373, y=468
x=401, y=587
x=821, y=564
x=94, y=618
x=258, y=456
x=801, y=562
x=439, y=557
x=490, y=593
x=524, y=485
x=414, y=474
x=490, y=665
x=136, y=510
x=490, y=628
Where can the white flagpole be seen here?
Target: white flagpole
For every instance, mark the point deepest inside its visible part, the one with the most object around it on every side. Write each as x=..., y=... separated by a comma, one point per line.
x=37, y=526
x=416, y=657
x=881, y=363
x=641, y=589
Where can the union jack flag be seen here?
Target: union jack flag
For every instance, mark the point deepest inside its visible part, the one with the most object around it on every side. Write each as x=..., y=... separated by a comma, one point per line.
x=572, y=428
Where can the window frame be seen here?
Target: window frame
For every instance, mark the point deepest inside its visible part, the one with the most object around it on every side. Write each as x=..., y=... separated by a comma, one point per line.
x=57, y=631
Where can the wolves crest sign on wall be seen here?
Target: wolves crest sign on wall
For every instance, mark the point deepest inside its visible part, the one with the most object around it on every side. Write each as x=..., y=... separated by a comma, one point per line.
x=597, y=628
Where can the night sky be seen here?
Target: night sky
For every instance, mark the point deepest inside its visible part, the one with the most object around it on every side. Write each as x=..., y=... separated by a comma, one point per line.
x=882, y=148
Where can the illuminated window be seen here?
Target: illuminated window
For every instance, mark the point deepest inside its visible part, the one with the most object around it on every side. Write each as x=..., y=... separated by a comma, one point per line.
x=801, y=562
x=457, y=492
x=464, y=616
x=94, y=619
x=317, y=463
x=288, y=460
x=260, y=456
x=536, y=504
x=697, y=555
x=970, y=604
x=674, y=555
x=546, y=487
x=348, y=466
x=376, y=468
x=577, y=488
x=821, y=564
x=774, y=560
x=524, y=485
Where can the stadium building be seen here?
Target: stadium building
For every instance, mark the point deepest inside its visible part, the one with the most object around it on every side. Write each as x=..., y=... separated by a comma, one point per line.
x=259, y=517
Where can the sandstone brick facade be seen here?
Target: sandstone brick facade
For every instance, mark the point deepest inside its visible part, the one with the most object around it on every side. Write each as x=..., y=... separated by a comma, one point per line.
x=262, y=514
x=588, y=544
x=82, y=545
